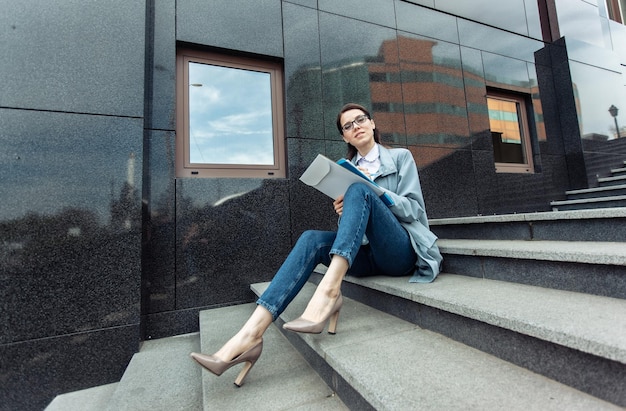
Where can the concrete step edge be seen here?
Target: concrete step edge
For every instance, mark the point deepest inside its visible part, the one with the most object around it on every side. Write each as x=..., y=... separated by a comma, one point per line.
x=577, y=215
x=588, y=252
x=161, y=377
x=396, y=365
x=592, y=200
x=606, y=189
x=611, y=179
x=90, y=399
x=588, y=323
x=281, y=379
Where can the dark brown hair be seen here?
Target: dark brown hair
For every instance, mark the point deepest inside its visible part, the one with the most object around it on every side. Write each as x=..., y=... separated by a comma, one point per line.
x=353, y=106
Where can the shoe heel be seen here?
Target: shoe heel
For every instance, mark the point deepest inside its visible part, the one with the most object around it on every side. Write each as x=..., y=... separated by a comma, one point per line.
x=332, y=327
x=244, y=372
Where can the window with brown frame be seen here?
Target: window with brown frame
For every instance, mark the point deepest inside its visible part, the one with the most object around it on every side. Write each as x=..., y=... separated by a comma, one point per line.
x=229, y=116
x=616, y=10
x=508, y=122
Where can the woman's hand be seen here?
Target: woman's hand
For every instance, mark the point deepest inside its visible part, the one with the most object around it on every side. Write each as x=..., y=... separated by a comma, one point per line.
x=365, y=171
x=338, y=204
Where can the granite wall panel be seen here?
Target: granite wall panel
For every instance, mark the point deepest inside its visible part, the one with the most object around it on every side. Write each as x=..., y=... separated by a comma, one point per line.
x=71, y=261
x=161, y=66
x=79, y=57
x=35, y=371
x=303, y=74
x=241, y=25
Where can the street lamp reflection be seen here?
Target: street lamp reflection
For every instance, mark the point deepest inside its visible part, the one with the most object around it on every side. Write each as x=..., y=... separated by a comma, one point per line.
x=614, y=110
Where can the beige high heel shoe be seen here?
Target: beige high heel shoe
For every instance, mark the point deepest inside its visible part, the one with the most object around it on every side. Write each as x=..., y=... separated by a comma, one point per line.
x=301, y=325
x=217, y=366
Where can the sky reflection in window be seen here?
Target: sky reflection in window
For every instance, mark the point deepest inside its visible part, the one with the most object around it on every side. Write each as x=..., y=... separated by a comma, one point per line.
x=230, y=116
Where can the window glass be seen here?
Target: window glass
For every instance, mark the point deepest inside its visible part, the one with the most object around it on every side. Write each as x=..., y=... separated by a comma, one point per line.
x=230, y=116
x=509, y=133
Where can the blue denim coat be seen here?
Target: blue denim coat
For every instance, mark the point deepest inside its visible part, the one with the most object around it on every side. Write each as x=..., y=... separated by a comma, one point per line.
x=398, y=174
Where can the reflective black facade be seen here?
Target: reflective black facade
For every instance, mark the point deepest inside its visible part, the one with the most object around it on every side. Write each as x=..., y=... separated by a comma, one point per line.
x=102, y=247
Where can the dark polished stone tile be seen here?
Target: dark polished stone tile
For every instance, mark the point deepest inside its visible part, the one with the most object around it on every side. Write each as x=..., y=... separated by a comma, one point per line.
x=162, y=73
x=307, y=3
x=230, y=233
x=176, y=322
x=61, y=56
x=34, y=372
x=352, y=52
x=159, y=239
x=435, y=109
x=510, y=16
x=426, y=22
x=556, y=180
x=254, y=27
x=506, y=73
x=71, y=212
x=553, y=144
x=309, y=208
x=520, y=193
x=303, y=74
x=447, y=189
x=63, y=161
x=487, y=191
x=379, y=12
x=475, y=92
x=70, y=285
x=427, y=3
x=497, y=41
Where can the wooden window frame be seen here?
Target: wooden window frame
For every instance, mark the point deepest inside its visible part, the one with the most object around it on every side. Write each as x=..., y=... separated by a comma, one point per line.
x=524, y=128
x=615, y=10
x=184, y=168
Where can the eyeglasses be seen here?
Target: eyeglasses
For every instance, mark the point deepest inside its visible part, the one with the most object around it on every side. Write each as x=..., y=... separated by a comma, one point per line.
x=359, y=121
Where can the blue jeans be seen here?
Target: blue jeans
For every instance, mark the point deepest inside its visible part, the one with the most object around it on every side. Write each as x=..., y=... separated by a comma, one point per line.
x=389, y=251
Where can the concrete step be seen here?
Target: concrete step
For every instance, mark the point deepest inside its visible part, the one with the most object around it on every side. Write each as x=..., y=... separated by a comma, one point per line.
x=550, y=332
x=386, y=363
x=608, y=191
x=280, y=380
x=160, y=377
x=91, y=399
x=618, y=171
x=579, y=225
x=582, y=266
x=589, y=203
x=611, y=181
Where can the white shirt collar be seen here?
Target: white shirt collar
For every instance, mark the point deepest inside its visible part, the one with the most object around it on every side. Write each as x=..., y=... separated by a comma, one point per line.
x=371, y=156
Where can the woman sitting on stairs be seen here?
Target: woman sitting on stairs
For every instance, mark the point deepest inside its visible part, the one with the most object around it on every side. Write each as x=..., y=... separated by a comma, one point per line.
x=372, y=239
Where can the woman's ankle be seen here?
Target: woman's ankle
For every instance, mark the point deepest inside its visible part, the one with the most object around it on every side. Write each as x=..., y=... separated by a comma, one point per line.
x=331, y=291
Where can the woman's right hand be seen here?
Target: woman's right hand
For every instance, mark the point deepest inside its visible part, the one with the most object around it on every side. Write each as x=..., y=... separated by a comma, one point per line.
x=338, y=204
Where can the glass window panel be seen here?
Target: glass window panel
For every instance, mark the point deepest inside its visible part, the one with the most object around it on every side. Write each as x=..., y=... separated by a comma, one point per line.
x=508, y=124
x=230, y=116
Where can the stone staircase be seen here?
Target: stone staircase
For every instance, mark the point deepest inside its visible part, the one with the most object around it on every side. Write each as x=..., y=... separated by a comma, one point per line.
x=529, y=314
x=611, y=192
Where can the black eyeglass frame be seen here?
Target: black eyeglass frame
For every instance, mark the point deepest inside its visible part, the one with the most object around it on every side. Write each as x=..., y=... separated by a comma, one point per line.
x=359, y=120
